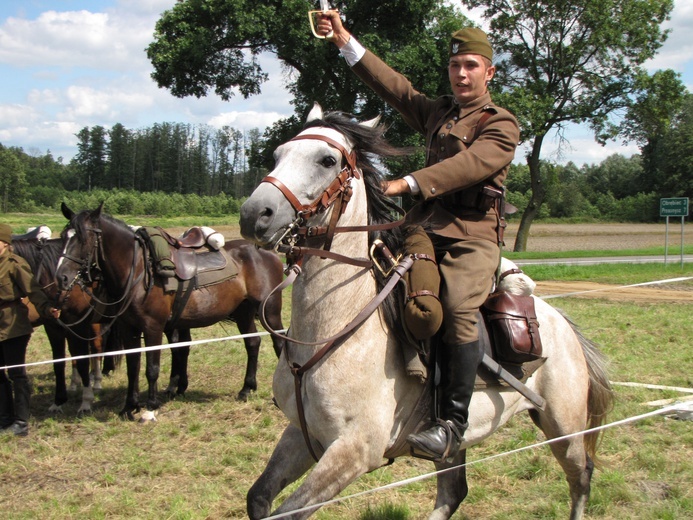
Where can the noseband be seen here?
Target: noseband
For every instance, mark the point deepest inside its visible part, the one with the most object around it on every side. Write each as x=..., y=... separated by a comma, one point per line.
x=338, y=193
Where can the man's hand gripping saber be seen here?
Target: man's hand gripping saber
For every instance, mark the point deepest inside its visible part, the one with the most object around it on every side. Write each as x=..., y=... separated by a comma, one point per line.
x=312, y=15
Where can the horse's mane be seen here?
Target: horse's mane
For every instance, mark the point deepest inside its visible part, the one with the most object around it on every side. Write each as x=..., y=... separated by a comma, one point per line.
x=369, y=144
x=79, y=223
x=39, y=253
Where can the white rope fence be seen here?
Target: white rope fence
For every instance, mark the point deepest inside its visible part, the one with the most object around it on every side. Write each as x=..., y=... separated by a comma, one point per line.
x=688, y=407
x=680, y=409
x=658, y=282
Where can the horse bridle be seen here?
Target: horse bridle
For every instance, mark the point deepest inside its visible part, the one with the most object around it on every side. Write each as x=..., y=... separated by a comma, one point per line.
x=337, y=193
x=88, y=265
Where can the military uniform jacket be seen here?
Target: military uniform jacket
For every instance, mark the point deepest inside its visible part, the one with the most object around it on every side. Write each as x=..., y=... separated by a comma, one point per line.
x=16, y=282
x=458, y=161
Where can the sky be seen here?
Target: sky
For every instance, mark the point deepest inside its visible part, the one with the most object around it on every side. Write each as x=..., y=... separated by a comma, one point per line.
x=67, y=64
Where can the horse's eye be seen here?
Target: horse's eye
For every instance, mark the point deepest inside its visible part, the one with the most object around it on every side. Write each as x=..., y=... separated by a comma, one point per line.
x=329, y=161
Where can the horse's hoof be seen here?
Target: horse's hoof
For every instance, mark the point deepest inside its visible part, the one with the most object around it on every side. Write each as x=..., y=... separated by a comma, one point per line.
x=84, y=413
x=242, y=396
x=127, y=415
x=55, y=409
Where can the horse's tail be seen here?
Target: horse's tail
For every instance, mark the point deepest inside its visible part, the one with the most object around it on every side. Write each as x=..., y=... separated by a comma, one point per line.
x=600, y=398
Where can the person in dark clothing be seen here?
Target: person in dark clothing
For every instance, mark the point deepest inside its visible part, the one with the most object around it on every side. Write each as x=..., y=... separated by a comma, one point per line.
x=16, y=282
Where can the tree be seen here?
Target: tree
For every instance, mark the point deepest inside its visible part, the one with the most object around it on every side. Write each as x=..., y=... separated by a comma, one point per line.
x=203, y=47
x=562, y=62
x=12, y=179
x=670, y=160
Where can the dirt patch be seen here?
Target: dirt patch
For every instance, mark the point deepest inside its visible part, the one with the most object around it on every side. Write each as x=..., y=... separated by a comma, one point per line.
x=612, y=292
x=599, y=237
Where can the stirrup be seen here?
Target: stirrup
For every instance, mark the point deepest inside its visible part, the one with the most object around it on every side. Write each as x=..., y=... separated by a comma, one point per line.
x=451, y=435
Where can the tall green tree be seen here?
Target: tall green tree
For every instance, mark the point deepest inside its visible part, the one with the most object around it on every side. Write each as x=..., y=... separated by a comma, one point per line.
x=562, y=62
x=213, y=47
x=670, y=159
x=12, y=179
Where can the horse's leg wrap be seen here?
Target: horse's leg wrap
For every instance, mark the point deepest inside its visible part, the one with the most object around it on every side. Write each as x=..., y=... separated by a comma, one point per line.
x=441, y=442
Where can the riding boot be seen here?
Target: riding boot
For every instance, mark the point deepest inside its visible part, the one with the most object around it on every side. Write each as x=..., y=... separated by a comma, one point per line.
x=22, y=392
x=6, y=405
x=442, y=441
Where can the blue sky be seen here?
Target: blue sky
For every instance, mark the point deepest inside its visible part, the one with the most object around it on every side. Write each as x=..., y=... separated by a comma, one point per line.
x=67, y=64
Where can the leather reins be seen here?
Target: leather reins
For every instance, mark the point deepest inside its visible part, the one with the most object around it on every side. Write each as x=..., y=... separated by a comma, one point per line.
x=338, y=193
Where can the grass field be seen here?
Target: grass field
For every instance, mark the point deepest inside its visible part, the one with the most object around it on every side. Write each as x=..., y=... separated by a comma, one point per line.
x=206, y=449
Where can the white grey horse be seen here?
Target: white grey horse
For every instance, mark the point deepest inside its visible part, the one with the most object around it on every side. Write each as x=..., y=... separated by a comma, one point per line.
x=358, y=400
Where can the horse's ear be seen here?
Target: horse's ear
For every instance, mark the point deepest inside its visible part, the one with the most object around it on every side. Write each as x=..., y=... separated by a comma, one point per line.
x=371, y=123
x=97, y=211
x=315, y=112
x=67, y=212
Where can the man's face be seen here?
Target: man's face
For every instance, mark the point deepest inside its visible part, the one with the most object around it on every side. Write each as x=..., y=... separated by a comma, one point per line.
x=469, y=74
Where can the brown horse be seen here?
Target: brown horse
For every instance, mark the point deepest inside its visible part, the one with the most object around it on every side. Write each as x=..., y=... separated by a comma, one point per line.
x=101, y=248
x=81, y=338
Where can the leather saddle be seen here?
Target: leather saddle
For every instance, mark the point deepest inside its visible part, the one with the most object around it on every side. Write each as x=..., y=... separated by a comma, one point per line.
x=193, y=257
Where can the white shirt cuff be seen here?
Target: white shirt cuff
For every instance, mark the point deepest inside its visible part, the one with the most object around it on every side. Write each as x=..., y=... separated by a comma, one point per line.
x=353, y=51
x=413, y=185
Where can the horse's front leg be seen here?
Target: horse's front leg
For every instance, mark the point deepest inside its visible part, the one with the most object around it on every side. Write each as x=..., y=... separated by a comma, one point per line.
x=96, y=347
x=452, y=487
x=56, y=337
x=87, y=390
x=245, y=320
x=152, y=373
x=289, y=461
x=131, y=339
x=346, y=459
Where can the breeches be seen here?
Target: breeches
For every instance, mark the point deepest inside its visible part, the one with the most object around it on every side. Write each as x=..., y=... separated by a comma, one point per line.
x=13, y=352
x=467, y=270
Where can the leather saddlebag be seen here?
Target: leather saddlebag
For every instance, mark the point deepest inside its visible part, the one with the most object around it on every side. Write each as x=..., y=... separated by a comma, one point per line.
x=513, y=326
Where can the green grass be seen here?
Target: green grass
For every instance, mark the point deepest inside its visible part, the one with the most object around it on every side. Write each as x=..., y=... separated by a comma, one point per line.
x=621, y=274
x=206, y=449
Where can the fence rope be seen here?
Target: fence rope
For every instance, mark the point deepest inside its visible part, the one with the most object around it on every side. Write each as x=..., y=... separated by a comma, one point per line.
x=688, y=407
x=670, y=280
x=141, y=349
x=676, y=408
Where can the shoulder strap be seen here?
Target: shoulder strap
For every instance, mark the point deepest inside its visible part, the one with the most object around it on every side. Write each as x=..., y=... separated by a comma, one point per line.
x=481, y=123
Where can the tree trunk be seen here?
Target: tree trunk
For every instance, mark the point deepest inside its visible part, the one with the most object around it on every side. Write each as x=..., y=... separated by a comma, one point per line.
x=537, y=198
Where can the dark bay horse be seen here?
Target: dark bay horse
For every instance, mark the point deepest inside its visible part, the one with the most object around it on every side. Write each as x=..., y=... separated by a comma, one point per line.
x=353, y=407
x=81, y=337
x=101, y=247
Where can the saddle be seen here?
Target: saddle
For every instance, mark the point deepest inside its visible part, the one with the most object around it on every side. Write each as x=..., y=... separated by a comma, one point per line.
x=508, y=331
x=35, y=233
x=191, y=256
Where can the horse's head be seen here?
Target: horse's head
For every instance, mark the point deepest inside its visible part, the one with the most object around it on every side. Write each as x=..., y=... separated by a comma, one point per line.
x=316, y=173
x=81, y=238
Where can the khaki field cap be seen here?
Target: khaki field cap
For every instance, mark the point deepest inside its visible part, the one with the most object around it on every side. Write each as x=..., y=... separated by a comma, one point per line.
x=471, y=41
x=6, y=233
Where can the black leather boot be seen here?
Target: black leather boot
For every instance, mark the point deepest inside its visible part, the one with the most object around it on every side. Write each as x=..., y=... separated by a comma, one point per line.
x=441, y=442
x=22, y=393
x=6, y=405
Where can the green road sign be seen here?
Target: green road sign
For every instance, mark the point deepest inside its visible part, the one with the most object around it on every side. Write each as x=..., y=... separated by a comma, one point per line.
x=674, y=207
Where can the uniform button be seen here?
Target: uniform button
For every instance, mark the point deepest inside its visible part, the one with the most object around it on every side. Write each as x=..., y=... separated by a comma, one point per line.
x=433, y=190
x=442, y=148
x=441, y=136
x=448, y=126
x=464, y=138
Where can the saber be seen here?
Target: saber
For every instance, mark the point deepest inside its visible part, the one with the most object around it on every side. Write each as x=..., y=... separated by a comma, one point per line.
x=312, y=16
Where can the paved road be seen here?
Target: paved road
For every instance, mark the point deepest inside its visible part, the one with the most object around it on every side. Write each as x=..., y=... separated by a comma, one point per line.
x=671, y=259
